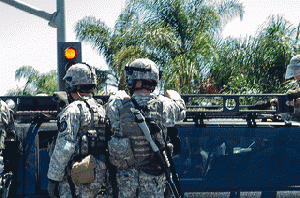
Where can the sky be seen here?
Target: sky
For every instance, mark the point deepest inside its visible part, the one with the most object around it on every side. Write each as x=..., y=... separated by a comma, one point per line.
x=28, y=40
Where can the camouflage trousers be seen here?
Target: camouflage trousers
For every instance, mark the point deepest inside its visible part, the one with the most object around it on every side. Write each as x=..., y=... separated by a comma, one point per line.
x=87, y=190
x=135, y=183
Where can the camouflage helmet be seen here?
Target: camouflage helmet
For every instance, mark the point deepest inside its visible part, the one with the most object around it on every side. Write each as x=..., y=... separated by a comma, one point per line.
x=80, y=74
x=142, y=69
x=293, y=69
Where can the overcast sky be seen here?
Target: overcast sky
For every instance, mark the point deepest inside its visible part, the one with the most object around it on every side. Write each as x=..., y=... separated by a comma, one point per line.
x=26, y=39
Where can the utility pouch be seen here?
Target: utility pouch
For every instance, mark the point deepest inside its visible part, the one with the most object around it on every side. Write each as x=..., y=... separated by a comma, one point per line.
x=120, y=151
x=84, y=145
x=83, y=172
x=92, y=141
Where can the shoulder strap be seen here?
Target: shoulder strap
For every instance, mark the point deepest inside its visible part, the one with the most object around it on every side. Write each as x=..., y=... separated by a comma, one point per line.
x=136, y=105
x=92, y=110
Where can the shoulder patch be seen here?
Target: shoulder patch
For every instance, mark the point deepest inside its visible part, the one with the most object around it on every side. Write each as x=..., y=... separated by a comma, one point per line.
x=62, y=126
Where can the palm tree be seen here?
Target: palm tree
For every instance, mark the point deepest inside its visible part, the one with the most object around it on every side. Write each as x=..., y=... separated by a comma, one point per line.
x=276, y=44
x=36, y=82
x=227, y=67
x=256, y=64
x=167, y=32
x=180, y=30
x=46, y=83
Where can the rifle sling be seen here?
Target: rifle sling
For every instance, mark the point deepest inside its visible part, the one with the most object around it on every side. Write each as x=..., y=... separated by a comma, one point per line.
x=161, y=159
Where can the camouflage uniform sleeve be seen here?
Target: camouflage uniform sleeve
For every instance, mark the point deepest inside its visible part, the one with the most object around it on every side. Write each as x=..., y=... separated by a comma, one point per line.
x=5, y=115
x=113, y=109
x=178, y=106
x=4, y=121
x=113, y=114
x=174, y=108
x=11, y=134
x=68, y=127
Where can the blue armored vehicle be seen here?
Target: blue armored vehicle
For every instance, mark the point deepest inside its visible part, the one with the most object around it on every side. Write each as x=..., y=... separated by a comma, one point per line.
x=230, y=146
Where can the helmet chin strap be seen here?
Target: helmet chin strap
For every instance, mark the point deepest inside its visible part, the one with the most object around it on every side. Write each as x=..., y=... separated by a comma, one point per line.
x=80, y=96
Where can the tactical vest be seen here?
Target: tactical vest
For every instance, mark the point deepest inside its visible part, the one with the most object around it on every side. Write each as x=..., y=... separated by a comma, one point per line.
x=91, y=138
x=142, y=152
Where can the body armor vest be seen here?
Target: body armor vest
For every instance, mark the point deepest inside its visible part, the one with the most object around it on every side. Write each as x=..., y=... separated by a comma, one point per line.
x=141, y=149
x=91, y=138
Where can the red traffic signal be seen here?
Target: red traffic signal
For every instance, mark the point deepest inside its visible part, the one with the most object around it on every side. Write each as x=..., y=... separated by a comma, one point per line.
x=70, y=53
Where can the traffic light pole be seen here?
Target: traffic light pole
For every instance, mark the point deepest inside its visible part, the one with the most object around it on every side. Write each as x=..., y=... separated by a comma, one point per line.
x=60, y=7
x=56, y=20
x=27, y=8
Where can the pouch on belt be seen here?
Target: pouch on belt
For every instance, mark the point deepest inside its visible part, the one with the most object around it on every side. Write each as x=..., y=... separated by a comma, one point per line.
x=83, y=172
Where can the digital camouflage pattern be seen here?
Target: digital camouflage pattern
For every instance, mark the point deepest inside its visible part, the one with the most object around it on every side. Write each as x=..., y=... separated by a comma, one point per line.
x=86, y=190
x=294, y=95
x=7, y=126
x=173, y=109
x=135, y=182
x=293, y=69
x=9, y=153
x=73, y=120
x=6, y=122
x=143, y=69
x=293, y=72
x=80, y=74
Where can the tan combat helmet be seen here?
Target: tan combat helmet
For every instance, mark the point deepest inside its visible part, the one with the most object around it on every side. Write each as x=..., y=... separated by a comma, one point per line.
x=80, y=74
x=143, y=69
x=293, y=69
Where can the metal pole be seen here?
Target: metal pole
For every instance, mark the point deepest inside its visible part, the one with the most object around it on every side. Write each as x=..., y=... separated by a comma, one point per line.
x=56, y=20
x=27, y=8
x=60, y=6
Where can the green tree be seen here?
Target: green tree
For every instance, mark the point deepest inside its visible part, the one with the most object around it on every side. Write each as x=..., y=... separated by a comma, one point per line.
x=256, y=64
x=228, y=65
x=102, y=77
x=179, y=36
x=36, y=82
x=46, y=83
x=276, y=44
x=167, y=32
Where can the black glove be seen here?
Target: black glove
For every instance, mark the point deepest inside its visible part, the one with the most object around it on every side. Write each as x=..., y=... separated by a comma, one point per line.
x=53, y=189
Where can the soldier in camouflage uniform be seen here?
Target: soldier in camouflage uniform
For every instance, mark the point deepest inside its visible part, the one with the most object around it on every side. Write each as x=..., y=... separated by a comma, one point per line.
x=10, y=150
x=138, y=173
x=80, y=142
x=293, y=72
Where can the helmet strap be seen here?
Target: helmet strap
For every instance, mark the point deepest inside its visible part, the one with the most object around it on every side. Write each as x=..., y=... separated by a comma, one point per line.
x=79, y=95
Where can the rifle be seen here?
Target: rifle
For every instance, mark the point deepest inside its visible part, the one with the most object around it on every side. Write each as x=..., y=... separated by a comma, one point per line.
x=162, y=162
x=173, y=170
x=72, y=185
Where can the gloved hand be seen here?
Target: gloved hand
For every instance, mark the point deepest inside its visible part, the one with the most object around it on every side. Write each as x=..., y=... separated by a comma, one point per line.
x=53, y=189
x=293, y=93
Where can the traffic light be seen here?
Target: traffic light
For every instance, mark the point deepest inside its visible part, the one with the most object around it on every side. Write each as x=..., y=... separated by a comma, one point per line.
x=68, y=53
